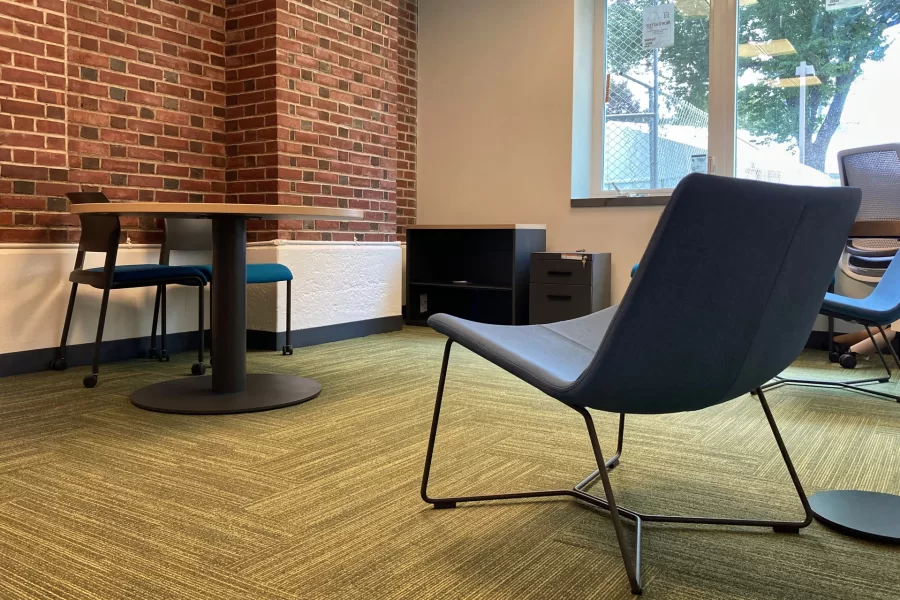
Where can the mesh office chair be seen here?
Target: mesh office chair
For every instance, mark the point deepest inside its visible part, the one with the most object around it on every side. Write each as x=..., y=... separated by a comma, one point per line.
x=197, y=234
x=876, y=171
x=100, y=233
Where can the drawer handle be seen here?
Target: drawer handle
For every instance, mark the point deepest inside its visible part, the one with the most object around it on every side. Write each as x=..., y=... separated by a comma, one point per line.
x=559, y=273
x=558, y=297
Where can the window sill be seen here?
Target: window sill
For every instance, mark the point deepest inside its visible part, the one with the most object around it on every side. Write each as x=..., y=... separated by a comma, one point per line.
x=656, y=199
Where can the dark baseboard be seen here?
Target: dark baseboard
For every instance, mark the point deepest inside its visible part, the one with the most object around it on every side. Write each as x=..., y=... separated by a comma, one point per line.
x=269, y=340
x=32, y=361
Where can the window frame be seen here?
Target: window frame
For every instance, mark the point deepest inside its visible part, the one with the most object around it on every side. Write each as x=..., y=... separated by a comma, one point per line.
x=722, y=128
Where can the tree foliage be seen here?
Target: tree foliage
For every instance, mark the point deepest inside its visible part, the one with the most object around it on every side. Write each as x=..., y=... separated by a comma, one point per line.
x=837, y=43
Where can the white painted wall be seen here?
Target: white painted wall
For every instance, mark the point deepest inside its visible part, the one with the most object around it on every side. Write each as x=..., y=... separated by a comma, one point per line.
x=495, y=127
x=334, y=283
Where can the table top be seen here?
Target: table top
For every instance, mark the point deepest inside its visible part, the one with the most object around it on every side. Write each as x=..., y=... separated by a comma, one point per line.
x=207, y=211
x=875, y=229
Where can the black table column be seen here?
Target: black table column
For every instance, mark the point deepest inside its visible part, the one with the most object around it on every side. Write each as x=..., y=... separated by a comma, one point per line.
x=230, y=389
x=229, y=301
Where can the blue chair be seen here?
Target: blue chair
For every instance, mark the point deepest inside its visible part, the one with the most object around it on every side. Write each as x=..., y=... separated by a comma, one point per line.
x=100, y=233
x=878, y=309
x=754, y=255
x=196, y=234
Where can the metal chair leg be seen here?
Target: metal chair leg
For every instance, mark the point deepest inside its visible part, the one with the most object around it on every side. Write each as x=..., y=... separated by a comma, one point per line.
x=59, y=361
x=163, y=353
x=852, y=384
x=199, y=368
x=617, y=513
x=211, y=321
x=878, y=349
x=632, y=565
x=91, y=380
x=153, y=351
x=287, y=349
x=890, y=345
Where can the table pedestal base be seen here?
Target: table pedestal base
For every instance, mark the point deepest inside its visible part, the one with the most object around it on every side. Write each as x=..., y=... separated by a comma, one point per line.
x=868, y=515
x=194, y=395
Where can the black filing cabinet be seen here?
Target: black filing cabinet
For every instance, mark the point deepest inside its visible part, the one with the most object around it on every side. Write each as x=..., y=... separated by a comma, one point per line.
x=567, y=285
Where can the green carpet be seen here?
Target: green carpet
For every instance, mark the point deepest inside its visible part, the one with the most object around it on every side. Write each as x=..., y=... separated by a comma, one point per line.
x=99, y=499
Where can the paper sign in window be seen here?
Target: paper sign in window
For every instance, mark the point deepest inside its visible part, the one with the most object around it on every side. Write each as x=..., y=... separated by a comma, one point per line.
x=659, y=26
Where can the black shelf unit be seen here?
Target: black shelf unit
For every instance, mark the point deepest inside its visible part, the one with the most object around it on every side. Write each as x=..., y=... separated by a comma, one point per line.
x=477, y=272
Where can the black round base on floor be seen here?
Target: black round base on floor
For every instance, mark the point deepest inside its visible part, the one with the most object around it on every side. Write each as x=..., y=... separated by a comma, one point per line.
x=868, y=515
x=194, y=395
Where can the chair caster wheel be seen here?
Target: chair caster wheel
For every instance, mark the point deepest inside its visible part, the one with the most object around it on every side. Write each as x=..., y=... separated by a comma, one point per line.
x=90, y=381
x=788, y=530
x=198, y=369
x=834, y=357
x=287, y=350
x=152, y=353
x=444, y=505
x=58, y=364
x=848, y=361
x=163, y=356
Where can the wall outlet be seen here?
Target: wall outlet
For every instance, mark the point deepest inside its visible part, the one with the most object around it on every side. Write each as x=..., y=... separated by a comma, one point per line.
x=423, y=303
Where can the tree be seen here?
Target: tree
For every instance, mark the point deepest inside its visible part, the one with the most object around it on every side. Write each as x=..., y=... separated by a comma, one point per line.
x=621, y=100
x=837, y=43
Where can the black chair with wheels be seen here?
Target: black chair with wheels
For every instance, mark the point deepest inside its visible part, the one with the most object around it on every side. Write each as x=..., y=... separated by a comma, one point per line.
x=739, y=266
x=197, y=235
x=100, y=233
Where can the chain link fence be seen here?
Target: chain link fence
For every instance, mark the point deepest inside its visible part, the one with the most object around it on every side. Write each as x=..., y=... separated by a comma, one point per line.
x=649, y=137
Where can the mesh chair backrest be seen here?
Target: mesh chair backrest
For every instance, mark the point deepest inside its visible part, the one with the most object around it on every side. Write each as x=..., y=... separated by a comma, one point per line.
x=189, y=234
x=876, y=171
x=97, y=231
x=725, y=298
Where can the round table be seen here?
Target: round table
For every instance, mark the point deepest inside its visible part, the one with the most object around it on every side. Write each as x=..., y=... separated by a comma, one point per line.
x=869, y=515
x=229, y=389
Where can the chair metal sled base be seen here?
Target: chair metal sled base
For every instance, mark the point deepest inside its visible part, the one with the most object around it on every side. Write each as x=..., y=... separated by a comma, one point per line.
x=616, y=513
x=854, y=385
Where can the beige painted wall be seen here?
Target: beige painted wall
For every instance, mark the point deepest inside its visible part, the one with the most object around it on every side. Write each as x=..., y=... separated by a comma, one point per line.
x=495, y=127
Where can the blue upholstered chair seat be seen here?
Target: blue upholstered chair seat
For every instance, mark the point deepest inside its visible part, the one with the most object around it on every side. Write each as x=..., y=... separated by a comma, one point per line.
x=257, y=273
x=136, y=273
x=550, y=357
x=881, y=307
x=863, y=310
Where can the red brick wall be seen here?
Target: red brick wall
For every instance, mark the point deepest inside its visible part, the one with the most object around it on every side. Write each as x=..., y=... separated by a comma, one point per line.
x=32, y=120
x=337, y=115
x=275, y=101
x=252, y=122
x=406, y=120
x=146, y=101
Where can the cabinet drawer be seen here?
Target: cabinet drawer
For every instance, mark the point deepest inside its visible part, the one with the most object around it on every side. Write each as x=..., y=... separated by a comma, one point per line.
x=551, y=302
x=561, y=271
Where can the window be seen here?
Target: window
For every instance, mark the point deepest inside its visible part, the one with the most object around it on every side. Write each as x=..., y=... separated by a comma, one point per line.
x=814, y=77
x=655, y=120
x=762, y=89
